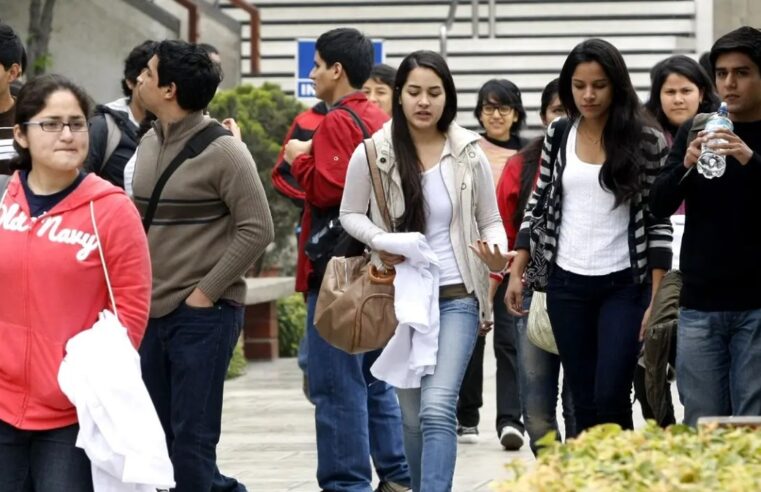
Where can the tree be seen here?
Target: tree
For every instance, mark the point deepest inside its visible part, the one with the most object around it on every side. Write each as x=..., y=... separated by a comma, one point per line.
x=40, y=24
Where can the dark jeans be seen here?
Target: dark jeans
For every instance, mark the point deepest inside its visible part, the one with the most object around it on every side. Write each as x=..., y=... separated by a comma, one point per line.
x=596, y=322
x=184, y=357
x=44, y=461
x=505, y=351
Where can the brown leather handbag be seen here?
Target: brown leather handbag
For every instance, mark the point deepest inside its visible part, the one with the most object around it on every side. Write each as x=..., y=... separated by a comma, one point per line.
x=355, y=306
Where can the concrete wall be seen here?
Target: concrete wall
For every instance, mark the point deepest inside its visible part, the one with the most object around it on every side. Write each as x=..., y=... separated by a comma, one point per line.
x=91, y=38
x=728, y=15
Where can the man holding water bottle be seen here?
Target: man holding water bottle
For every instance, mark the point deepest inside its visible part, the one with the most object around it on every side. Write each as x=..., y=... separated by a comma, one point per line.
x=719, y=336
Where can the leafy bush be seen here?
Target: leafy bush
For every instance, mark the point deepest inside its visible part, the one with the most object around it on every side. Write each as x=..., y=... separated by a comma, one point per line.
x=679, y=459
x=237, y=363
x=291, y=321
x=264, y=115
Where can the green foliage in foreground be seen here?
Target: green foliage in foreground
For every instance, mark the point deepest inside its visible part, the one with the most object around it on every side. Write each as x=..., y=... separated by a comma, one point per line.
x=291, y=321
x=679, y=459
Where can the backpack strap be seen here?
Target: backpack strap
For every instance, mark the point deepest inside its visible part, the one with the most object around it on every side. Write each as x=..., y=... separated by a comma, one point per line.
x=356, y=118
x=375, y=177
x=4, y=180
x=112, y=141
x=193, y=147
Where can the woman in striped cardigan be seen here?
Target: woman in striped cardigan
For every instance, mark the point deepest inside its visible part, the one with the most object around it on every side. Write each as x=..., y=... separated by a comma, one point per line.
x=610, y=252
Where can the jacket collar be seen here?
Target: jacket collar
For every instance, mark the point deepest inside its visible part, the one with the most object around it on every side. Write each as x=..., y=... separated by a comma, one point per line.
x=180, y=129
x=458, y=139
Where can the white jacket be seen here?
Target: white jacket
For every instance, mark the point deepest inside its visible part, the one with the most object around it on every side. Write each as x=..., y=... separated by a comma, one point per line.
x=471, y=190
x=411, y=352
x=118, y=426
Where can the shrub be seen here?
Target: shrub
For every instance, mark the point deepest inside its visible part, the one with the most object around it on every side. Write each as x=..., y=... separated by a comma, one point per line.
x=291, y=321
x=237, y=363
x=264, y=115
x=679, y=459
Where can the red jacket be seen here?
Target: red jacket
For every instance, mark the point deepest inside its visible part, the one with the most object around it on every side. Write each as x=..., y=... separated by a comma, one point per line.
x=508, y=193
x=302, y=128
x=53, y=287
x=322, y=172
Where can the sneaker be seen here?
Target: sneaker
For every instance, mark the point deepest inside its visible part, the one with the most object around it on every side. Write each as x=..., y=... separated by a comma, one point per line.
x=511, y=438
x=467, y=435
x=391, y=487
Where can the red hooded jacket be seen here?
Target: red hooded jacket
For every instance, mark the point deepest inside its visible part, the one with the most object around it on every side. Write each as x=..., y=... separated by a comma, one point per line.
x=322, y=173
x=53, y=287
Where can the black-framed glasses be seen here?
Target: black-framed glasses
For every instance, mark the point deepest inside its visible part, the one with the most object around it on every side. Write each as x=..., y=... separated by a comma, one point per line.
x=490, y=109
x=57, y=125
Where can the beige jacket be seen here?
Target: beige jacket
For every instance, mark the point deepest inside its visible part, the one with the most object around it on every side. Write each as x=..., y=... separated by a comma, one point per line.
x=471, y=190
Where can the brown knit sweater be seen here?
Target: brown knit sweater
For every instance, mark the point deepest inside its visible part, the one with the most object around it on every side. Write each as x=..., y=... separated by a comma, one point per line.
x=213, y=219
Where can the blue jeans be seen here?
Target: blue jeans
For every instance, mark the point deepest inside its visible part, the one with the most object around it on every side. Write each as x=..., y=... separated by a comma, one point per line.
x=596, y=322
x=539, y=375
x=718, y=363
x=44, y=460
x=508, y=394
x=429, y=412
x=357, y=417
x=184, y=357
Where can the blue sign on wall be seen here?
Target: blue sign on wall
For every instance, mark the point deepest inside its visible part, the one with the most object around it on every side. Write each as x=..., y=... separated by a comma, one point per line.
x=305, y=62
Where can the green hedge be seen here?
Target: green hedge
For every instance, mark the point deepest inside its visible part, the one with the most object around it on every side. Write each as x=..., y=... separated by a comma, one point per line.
x=679, y=459
x=291, y=321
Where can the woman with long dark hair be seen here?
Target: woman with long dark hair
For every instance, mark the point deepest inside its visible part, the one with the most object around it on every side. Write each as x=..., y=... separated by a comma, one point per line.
x=54, y=281
x=538, y=370
x=609, y=249
x=437, y=183
x=679, y=89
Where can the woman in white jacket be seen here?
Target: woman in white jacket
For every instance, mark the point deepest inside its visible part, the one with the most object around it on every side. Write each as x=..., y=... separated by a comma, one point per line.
x=437, y=182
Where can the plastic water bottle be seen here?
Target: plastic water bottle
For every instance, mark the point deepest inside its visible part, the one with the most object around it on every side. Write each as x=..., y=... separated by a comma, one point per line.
x=711, y=164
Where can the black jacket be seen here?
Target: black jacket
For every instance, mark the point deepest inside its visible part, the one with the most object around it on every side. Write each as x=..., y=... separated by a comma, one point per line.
x=113, y=170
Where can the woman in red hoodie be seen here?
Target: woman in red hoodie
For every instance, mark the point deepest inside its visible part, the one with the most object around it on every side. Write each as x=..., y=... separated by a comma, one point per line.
x=53, y=283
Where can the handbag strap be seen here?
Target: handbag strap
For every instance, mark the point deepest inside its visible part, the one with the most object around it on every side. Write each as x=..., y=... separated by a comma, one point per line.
x=103, y=260
x=375, y=177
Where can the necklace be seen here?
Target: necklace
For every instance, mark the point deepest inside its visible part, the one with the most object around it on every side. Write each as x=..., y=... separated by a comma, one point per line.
x=590, y=139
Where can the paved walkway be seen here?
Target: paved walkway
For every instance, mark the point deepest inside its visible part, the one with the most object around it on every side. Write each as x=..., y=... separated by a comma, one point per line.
x=268, y=433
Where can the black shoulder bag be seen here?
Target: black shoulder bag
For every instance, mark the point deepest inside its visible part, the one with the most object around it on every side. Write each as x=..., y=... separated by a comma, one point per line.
x=538, y=268
x=193, y=147
x=327, y=237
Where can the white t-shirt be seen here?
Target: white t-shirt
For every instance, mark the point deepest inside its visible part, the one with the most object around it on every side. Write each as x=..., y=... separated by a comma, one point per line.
x=593, y=235
x=438, y=219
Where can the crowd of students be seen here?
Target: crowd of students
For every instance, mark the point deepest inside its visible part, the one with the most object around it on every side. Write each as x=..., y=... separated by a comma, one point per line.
x=603, y=183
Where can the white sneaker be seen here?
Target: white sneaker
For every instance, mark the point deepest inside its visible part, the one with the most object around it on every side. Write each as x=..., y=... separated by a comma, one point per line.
x=467, y=435
x=511, y=438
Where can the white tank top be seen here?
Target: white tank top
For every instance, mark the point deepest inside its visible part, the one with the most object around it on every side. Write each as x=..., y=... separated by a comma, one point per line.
x=438, y=218
x=593, y=235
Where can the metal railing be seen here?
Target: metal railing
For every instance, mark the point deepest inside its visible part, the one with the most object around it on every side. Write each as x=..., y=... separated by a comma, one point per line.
x=475, y=21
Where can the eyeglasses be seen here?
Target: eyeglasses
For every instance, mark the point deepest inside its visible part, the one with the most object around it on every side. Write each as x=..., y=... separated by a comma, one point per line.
x=57, y=126
x=490, y=109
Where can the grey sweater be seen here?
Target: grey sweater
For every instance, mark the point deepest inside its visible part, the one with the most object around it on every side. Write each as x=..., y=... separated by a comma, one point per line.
x=212, y=221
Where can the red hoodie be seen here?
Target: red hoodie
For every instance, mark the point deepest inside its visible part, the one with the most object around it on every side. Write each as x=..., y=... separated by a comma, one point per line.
x=53, y=287
x=322, y=173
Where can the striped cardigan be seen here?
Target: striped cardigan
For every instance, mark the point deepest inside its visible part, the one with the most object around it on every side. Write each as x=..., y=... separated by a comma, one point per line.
x=649, y=237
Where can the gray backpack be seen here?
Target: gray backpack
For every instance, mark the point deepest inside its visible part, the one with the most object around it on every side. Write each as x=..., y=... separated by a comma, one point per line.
x=113, y=139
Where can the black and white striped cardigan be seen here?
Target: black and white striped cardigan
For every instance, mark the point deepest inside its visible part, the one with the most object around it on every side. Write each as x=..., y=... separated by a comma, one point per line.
x=649, y=237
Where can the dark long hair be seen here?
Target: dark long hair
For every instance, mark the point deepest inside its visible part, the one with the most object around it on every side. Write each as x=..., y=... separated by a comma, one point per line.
x=692, y=71
x=530, y=155
x=407, y=160
x=621, y=173
x=32, y=99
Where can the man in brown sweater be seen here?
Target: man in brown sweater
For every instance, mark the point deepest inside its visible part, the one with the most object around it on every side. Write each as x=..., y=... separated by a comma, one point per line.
x=211, y=224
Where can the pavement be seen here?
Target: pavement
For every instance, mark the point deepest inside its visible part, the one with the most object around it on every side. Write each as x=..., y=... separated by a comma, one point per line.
x=268, y=440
